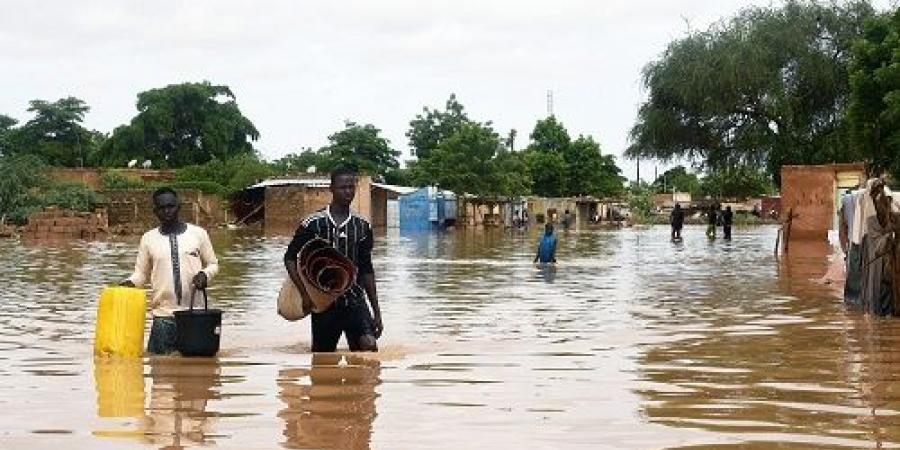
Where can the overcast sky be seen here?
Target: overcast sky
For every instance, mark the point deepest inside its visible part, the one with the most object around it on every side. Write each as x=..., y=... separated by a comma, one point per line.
x=300, y=68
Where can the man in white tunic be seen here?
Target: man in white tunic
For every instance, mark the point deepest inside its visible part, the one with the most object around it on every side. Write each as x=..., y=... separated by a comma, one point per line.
x=175, y=259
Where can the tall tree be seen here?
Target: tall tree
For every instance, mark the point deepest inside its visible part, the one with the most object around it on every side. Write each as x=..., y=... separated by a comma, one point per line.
x=360, y=147
x=182, y=124
x=546, y=160
x=6, y=130
x=463, y=162
x=296, y=163
x=679, y=180
x=589, y=172
x=766, y=88
x=55, y=133
x=875, y=102
x=509, y=174
x=738, y=182
x=432, y=126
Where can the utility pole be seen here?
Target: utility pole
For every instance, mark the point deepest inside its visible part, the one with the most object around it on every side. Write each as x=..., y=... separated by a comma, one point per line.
x=638, y=171
x=549, y=103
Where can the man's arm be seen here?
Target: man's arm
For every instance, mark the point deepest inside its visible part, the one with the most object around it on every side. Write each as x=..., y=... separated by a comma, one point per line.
x=209, y=260
x=367, y=276
x=301, y=237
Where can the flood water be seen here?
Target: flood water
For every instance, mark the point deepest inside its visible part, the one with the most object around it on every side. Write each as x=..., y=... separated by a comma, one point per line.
x=632, y=342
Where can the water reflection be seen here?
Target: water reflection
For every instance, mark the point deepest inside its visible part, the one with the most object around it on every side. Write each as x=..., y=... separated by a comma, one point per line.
x=330, y=405
x=177, y=414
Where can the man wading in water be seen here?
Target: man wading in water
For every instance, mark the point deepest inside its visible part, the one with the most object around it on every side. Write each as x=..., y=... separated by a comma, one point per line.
x=351, y=235
x=175, y=258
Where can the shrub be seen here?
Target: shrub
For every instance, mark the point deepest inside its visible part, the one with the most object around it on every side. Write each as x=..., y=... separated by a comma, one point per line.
x=74, y=196
x=114, y=179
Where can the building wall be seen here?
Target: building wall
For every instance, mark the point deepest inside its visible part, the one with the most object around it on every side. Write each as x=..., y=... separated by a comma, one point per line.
x=286, y=206
x=379, y=207
x=808, y=193
x=132, y=209
x=53, y=223
x=542, y=206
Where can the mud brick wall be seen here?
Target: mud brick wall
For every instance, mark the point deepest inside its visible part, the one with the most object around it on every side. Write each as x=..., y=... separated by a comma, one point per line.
x=53, y=223
x=809, y=192
x=131, y=210
x=286, y=206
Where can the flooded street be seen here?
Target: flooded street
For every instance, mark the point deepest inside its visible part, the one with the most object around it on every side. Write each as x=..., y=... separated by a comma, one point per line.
x=632, y=342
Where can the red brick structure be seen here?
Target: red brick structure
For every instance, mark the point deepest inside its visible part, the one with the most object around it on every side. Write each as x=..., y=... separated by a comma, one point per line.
x=811, y=194
x=289, y=201
x=53, y=223
x=131, y=210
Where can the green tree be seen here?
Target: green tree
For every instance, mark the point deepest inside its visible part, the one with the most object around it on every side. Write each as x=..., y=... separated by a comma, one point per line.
x=546, y=159
x=182, y=124
x=767, y=87
x=20, y=176
x=226, y=176
x=55, y=133
x=589, y=172
x=463, y=162
x=548, y=173
x=432, y=126
x=6, y=130
x=296, y=163
x=874, y=110
x=737, y=182
x=679, y=180
x=362, y=148
x=509, y=174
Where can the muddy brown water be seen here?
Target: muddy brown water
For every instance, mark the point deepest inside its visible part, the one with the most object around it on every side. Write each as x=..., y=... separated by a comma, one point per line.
x=632, y=342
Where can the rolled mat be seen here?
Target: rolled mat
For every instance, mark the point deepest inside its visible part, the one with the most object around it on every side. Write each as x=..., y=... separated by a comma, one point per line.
x=325, y=273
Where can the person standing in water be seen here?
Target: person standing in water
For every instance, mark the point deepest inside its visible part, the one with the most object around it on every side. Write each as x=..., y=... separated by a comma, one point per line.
x=676, y=219
x=711, y=216
x=727, y=220
x=350, y=234
x=546, y=252
x=175, y=258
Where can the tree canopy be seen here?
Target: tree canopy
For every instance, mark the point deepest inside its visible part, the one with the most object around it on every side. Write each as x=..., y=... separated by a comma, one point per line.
x=182, y=124
x=54, y=134
x=428, y=129
x=767, y=87
x=360, y=147
x=679, y=180
x=875, y=101
x=562, y=167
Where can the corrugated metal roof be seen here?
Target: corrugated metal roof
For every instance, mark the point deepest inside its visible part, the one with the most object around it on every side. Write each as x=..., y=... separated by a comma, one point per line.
x=312, y=182
x=394, y=188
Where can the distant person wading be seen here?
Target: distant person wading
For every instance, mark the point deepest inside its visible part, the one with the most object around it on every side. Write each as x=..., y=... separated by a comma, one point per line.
x=546, y=252
x=676, y=219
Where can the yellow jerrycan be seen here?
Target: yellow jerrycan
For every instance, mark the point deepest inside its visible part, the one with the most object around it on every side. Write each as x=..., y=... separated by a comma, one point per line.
x=120, y=322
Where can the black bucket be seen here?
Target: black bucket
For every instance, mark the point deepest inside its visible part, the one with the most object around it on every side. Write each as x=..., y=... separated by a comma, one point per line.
x=199, y=330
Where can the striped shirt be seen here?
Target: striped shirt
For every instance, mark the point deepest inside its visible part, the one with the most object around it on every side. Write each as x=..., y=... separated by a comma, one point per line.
x=353, y=238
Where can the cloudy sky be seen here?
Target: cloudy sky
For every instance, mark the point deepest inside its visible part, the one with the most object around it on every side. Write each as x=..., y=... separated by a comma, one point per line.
x=300, y=68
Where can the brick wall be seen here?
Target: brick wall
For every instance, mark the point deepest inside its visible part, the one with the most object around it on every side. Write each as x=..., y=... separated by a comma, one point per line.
x=809, y=193
x=53, y=223
x=287, y=205
x=131, y=210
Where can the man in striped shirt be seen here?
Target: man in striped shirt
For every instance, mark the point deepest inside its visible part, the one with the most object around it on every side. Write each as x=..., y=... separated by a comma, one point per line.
x=350, y=234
